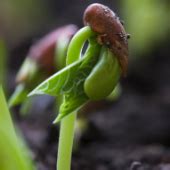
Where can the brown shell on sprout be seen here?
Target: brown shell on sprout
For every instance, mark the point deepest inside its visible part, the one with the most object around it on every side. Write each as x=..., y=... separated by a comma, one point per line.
x=110, y=30
x=43, y=51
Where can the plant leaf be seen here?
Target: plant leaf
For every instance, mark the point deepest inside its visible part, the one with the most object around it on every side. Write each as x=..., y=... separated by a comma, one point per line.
x=76, y=97
x=63, y=81
x=59, y=82
x=70, y=82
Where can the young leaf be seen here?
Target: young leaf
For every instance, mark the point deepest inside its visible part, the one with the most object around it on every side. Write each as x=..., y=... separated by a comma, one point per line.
x=76, y=97
x=69, y=81
x=59, y=82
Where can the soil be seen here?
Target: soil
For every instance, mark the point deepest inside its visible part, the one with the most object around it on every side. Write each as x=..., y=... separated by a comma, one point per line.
x=131, y=133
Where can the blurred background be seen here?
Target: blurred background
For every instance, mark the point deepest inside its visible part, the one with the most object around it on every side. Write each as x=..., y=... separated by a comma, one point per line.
x=141, y=115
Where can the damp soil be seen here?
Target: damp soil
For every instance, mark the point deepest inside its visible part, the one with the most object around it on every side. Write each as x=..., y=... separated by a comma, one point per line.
x=132, y=133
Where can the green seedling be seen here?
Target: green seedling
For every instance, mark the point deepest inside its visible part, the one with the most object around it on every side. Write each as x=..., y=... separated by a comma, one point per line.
x=41, y=62
x=89, y=76
x=43, y=58
x=14, y=154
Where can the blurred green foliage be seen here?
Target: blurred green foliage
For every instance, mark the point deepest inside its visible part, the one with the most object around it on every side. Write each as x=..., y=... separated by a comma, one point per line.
x=148, y=23
x=20, y=19
x=13, y=152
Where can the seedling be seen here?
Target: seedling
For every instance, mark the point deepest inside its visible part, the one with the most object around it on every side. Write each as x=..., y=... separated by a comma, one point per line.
x=89, y=76
x=45, y=57
x=40, y=62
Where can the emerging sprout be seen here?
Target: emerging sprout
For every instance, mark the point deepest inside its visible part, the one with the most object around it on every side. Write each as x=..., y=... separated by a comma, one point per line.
x=42, y=60
x=42, y=53
x=89, y=76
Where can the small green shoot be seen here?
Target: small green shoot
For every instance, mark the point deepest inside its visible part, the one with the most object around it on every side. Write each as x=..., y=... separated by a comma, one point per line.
x=41, y=61
x=89, y=76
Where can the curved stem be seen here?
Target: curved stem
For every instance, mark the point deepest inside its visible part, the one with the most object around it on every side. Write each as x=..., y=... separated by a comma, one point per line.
x=76, y=44
x=68, y=123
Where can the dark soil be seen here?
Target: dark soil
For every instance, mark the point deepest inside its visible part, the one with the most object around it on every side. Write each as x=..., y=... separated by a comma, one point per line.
x=129, y=134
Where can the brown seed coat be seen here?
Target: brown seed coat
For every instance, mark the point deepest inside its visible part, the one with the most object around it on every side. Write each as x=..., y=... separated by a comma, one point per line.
x=111, y=32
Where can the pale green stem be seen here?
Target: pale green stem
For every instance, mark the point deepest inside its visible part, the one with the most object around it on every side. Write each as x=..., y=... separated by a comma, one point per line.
x=66, y=142
x=68, y=123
